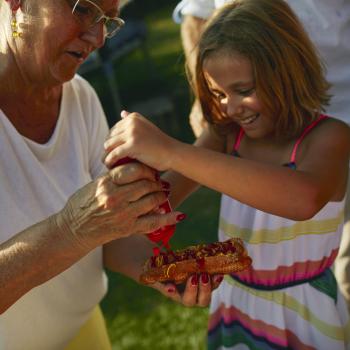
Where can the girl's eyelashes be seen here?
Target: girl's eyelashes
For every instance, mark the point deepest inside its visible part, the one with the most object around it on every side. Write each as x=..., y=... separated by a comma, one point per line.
x=246, y=92
x=242, y=92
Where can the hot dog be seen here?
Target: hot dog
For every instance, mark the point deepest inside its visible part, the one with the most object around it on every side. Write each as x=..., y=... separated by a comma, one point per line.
x=214, y=258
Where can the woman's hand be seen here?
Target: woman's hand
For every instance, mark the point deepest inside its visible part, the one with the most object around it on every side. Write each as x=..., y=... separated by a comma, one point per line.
x=196, y=292
x=136, y=137
x=116, y=205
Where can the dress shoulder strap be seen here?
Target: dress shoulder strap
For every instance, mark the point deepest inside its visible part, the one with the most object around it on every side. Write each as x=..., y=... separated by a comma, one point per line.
x=291, y=163
x=238, y=140
x=302, y=136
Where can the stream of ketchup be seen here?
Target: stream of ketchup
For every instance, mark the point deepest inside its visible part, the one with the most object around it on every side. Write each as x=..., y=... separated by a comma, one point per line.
x=162, y=235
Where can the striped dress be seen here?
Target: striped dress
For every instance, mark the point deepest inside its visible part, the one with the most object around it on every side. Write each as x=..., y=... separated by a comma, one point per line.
x=289, y=298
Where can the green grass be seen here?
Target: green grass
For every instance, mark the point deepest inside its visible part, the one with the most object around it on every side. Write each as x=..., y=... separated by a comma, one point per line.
x=138, y=317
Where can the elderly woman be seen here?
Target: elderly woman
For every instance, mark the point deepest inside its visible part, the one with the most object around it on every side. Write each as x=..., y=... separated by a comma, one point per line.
x=59, y=206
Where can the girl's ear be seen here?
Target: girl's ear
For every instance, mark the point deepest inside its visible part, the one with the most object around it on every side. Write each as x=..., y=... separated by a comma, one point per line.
x=14, y=4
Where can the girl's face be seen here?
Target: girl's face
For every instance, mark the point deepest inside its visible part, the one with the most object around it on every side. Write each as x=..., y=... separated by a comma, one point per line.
x=231, y=81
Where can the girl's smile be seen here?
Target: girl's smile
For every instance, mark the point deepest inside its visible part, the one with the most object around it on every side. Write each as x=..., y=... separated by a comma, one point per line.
x=248, y=120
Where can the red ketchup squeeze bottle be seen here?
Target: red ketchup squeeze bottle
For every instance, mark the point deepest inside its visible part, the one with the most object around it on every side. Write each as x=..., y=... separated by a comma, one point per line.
x=163, y=234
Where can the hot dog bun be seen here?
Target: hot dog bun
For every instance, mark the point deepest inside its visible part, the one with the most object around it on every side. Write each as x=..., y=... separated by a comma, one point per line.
x=214, y=258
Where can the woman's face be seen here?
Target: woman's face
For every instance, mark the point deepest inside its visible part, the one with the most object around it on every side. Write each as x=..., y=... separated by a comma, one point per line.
x=231, y=82
x=54, y=44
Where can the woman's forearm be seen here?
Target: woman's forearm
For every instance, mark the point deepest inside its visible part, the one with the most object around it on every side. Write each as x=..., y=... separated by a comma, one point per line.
x=34, y=256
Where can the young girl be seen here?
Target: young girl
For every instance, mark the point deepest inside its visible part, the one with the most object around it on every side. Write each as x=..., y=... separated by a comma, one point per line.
x=282, y=167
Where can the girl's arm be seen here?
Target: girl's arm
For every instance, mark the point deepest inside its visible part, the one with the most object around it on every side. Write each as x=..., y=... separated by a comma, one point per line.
x=181, y=186
x=321, y=176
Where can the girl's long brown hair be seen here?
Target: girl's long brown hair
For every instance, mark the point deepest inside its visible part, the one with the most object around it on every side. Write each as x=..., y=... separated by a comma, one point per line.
x=288, y=73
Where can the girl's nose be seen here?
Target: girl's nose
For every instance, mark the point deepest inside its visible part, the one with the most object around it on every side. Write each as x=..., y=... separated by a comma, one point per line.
x=233, y=107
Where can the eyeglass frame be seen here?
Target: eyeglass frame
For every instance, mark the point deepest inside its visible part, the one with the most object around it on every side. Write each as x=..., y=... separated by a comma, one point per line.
x=102, y=16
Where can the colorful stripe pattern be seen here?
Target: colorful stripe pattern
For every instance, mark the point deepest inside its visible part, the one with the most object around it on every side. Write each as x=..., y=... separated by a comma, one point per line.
x=236, y=328
x=289, y=298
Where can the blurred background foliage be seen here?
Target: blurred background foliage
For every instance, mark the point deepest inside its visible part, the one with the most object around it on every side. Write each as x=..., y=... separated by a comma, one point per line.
x=140, y=79
x=137, y=316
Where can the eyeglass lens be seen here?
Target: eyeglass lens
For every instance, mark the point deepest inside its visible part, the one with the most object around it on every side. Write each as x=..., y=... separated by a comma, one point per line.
x=88, y=13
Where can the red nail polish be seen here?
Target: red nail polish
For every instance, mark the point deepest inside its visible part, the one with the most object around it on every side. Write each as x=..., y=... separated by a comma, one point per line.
x=194, y=280
x=171, y=290
x=219, y=279
x=181, y=217
x=125, y=160
x=205, y=278
x=167, y=193
x=157, y=176
x=165, y=185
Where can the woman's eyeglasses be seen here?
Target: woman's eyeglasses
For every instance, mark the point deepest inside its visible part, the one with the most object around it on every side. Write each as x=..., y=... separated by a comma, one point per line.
x=89, y=14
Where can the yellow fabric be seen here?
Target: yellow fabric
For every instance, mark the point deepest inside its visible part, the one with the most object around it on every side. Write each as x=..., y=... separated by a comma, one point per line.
x=93, y=335
x=342, y=262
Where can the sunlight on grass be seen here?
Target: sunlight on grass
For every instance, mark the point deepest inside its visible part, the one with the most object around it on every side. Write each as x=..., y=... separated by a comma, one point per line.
x=168, y=326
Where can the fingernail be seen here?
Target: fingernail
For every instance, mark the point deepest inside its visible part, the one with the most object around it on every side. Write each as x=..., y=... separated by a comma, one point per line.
x=157, y=176
x=181, y=217
x=161, y=211
x=165, y=185
x=124, y=114
x=219, y=279
x=205, y=278
x=194, y=280
x=167, y=193
x=171, y=290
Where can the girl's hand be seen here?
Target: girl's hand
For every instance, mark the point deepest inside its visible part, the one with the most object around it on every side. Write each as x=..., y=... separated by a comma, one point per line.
x=196, y=292
x=136, y=137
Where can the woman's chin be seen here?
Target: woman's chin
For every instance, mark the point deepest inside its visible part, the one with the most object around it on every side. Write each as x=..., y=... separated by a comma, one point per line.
x=65, y=76
x=64, y=72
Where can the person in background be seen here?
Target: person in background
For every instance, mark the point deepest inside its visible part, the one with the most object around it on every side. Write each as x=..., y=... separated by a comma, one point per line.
x=63, y=216
x=281, y=165
x=193, y=14
x=328, y=25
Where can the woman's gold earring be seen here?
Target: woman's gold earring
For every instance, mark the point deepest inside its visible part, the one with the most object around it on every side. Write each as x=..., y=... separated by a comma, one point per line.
x=14, y=25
